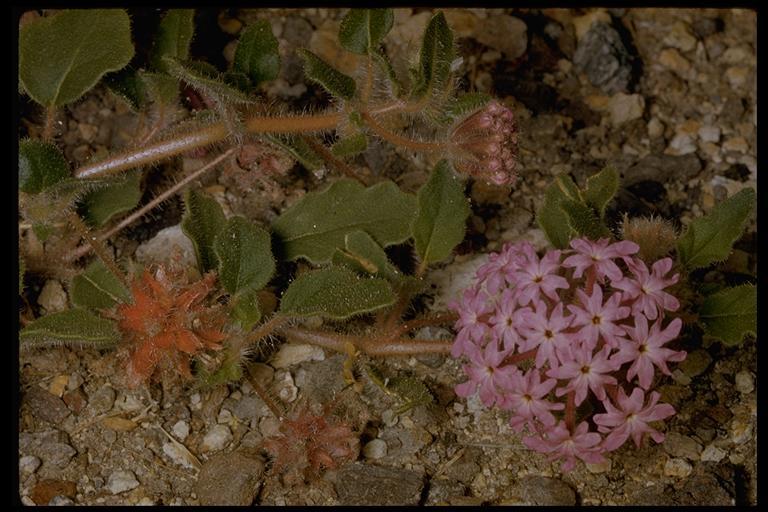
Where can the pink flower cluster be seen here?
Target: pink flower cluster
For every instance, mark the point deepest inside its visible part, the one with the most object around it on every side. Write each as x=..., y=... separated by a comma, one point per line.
x=542, y=335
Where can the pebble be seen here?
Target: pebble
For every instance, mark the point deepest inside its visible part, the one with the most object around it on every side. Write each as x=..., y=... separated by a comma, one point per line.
x=168, y=244
x=291, y=354
x=681, y=144
x=181, y=430
x=541, y=490
x=145, y=502
x=50, y=446
x=362, y=484
x=28, y=464
x=284, y=387
x=672, y=60
x=582, y=24
x=230, y=479
x=225, y=416
x=677, y=467
x=602, y=56
x=87, y=131
x=709, y=133
x=45, y=406
x=745, y=384
x=60, y=501
x=655, y=128
x=679, y=445
x=680, y=37
x=505, y=33
x=603, y=467
x=712, y=454
x=696, y=363
x=737, y=76
x=216, y=439
x=52, y=297
x=662, y=168
x=737, y=144
x=177, y=455
x=122, y=481
x=625, y=107
x=58, y=385
x=736, y=55
x=375, y=449
x=102, y=400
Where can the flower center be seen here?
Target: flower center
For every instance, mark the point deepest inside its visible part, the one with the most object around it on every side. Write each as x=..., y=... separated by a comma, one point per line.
x=538, y=279
x=528, y=398
x=596, y=320
x=642, y=348
x=585, y=369
x=548, y=334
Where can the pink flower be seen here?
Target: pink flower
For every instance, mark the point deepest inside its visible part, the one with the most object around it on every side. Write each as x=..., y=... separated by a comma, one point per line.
x=547, y=334
x=471, y=328
x=493, y=273
x=537, y=276
x=484, y=373
x=646, y=291
x=526, y=399
x=599, y=255
x=599, y=319
x=585, y=371
x=561, y=444
x=506, y=320
x=631, y=418
x=647, y=349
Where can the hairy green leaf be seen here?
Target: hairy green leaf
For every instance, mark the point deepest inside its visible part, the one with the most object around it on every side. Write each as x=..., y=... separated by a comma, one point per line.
x=349, y=146
x=601, y=188
x=467, y=103
x=159, y=88
x=709, y=239
x=553, y=220
x=64, y=55
x=231, y=370
x=441, y=219
x=98, y=288
x=205, y=78
x=315, y=226
x=245, y=256
x=362, y=30
x=41, y=165
x=731, y=313
x=584, y=220
x=203, y=219
x=257, y=53
x=437, y=54
x=362, y=253
x=106, y=202
x=138, y=88
x=335, y=292
x=73, y=327
x=246, y=309
x=174, y=36
x=381, y=59
x=295, y=146
x=332, y=80
x=126, y=85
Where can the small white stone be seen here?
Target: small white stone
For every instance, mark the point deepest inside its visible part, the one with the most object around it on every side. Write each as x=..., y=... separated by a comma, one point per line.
x=625, y=107
x=655, y=128
x=169, y=243
x=29, y=464
x=681, y=144
x=236, y=395
x=708, y=133
x=196, y=402
x=145, y=502
x=375, y=449
x=27, y=501
x=52, y=297
x=285, y=388
x=177, y=455
x=180, y=430
x=389, y=418
x=291, y=354
x=603, y=467
x=216, y=439
x=225, y=416
x=677, y=467
x=122, y=481
x=745, y=384
x=712, y=454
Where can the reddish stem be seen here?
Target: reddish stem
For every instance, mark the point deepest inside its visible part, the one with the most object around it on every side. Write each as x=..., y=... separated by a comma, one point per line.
x=570, y=411
x=519, y=358
x=375, y=346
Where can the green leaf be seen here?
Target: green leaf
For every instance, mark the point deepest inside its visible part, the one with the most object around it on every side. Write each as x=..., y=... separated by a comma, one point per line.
x=381, y=59
x=298, y=149
x=205, y=78
x=98, y=288
x=73, y=327
x=362, y=253
x=231, y=370
x=41, y=165
x=174, y=36
x=203, y=219
x=335, y=292
x=159, y=88
x=349, y=146
x=122, y=196
x=709, y=239
x=126, y=85
x=246, y=309
x=442, y=215
x=362, y=30
x=64, y=55
x=332, y=80
x=551, y=217
x=434, y=71
x=731, y=313
x=245, y=256
x=257, y=53
x=584, y=220
x=467, y=103
x=315, y=226
x=601, y=188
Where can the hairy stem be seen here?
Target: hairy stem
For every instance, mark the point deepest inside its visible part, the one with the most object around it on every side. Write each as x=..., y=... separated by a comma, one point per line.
x=266, y=398
x=399, y=140
x=331, y=160
x=426, y=321
x=267, y=328
x=83, y=250
x=374, y=346
x=94, y=243
x=50, y=121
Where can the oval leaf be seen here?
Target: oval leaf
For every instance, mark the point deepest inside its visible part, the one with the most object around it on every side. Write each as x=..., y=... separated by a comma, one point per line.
x=245, y=256
x=98, y=288
x=257, y=53
x=362, y=253
x=731, y=313
x=106, y=202
x=41, y=165
x=315, y=226
x=64, y=55
x=174, y=36
x=441, y=219
x=601, y=188
x=362, y=30
x=203, y=220
x=336, y=293
x=334, y=81
x=709, y=239
x=435, y=59
x=73, y=327
x=205, y=78
x=349, y=146
x=246, y=309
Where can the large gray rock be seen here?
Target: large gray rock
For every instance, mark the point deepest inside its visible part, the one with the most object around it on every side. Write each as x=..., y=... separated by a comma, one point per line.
x=230, y=479
x=361, y=484
x=541, y=490
x=602, y=56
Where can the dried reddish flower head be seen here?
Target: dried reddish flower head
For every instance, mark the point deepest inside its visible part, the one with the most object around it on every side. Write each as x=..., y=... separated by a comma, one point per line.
x=167, y=323
x=485, y=144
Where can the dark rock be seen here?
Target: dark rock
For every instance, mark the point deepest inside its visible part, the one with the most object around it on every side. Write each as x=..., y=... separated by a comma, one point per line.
x=50, y=446
x=466, y=468
x=738, y=172
x=708, y=485
x=603, y=57
x=663, y=168
x=230, y=479
x=442, y=491
x=540, y=490
x=649, y=190
x=537, y=97
x=45, y=491
x=45, y=406
x=102, y=400
x=362, y=484
x=75, y=400
x=705, y=27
